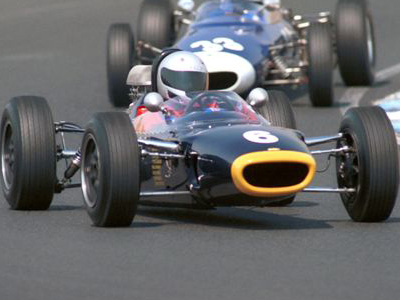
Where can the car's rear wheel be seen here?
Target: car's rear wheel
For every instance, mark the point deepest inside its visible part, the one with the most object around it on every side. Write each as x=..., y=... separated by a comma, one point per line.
x=320, y=71
x=28, y=154
x=155, y=26
x=372, y=166
x=110, y=170
x=120, y=59
x=355, y=42
x=278, y=110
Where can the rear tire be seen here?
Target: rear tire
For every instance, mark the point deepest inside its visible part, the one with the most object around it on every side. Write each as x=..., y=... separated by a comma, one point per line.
x=120, y=59
x=320, y=56
x=110, y=170
x=373, y=168
x=278, y=110
x=155, y=26
x=355, y=42
x=28, y=154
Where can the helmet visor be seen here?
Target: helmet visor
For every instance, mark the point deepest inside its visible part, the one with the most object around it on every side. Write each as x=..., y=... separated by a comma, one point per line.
x=187, y=81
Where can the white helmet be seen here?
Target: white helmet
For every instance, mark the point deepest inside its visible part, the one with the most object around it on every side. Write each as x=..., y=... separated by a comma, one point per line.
x=180, y=72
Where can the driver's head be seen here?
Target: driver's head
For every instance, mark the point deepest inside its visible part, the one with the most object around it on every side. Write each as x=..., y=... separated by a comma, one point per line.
x=179, y=73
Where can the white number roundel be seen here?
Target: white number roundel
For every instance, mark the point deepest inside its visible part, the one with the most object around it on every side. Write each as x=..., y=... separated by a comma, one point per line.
x=260, y=137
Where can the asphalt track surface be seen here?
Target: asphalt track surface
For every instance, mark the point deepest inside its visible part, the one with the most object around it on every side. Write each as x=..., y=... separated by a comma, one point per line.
x=311, y=250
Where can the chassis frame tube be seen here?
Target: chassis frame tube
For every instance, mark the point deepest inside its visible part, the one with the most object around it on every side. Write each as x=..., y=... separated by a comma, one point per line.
x=329, y=190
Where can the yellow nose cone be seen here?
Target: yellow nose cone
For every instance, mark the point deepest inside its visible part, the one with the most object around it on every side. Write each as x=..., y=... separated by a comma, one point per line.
x=273, y=173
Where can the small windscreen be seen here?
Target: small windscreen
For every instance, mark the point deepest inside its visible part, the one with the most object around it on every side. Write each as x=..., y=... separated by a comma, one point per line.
x=187, y=81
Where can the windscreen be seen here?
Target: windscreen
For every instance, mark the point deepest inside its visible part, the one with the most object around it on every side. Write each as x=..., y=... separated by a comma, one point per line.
x=212, y=107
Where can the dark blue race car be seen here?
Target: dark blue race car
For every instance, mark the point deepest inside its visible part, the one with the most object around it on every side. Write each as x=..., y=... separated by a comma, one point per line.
x=245, y=44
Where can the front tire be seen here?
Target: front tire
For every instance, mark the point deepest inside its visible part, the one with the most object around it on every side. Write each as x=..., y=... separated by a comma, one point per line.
x=110, y=170
x=372, y=168
x=355, y=42
x=120, y=59
x=28, y=154
x=320, y=71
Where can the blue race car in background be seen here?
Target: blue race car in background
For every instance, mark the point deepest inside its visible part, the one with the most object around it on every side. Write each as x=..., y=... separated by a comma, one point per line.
x=246, y=44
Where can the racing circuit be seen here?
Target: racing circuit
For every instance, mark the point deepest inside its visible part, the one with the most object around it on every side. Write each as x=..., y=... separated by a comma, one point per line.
x=309, y=250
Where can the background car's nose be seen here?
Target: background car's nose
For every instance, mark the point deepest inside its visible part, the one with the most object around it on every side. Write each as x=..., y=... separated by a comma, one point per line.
x=228, y=71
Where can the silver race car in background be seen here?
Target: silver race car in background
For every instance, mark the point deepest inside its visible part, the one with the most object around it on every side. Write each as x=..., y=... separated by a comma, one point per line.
x=246, y=44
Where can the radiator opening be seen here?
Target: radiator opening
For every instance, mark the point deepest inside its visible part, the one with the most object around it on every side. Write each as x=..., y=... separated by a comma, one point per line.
x=275, y=175
x=222, y=80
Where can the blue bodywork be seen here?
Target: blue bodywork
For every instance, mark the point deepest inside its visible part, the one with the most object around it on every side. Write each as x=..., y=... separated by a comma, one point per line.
x=244, y=22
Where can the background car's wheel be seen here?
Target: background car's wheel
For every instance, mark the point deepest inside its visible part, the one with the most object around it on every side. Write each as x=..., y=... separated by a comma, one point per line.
x=355, y=42
x=372, y=167
x=320, y=70
x=278, y=110
x=28, y=154
x=120, y=59
x=110, y=170
x=155, y=26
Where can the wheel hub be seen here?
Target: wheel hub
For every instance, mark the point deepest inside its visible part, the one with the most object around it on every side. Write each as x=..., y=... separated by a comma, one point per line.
x=8, y=156
x=91, y=173
x=348, y=167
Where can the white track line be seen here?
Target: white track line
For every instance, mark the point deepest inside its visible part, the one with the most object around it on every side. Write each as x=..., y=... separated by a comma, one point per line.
x=353, y=96
x=391, y=104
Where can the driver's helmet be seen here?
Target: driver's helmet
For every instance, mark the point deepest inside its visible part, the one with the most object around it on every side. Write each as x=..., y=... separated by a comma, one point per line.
x=179, y=73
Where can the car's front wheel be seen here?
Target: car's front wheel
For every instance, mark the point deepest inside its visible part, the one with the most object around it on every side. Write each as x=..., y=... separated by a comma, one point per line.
x=28, y=154
x=110, y=172
x=371, y=167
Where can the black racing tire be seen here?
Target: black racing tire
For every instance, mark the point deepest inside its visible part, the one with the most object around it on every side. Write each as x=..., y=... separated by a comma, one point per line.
x=278, y=110
x=110, y=172
x=121, y=58
x=372, y=168
x=320, y=70
x=155, y=26
x=28, y=154
x=355, y=41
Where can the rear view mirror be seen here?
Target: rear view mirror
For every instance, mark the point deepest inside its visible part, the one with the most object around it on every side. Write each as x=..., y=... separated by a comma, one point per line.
x=153, y=102
x=258, y=97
